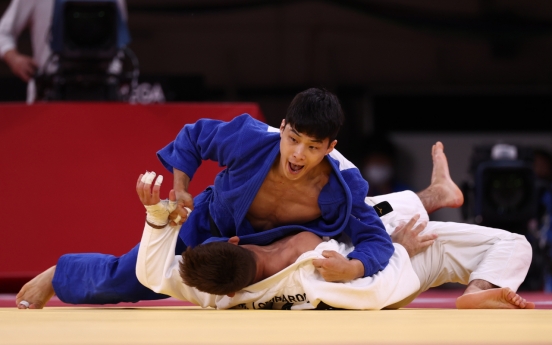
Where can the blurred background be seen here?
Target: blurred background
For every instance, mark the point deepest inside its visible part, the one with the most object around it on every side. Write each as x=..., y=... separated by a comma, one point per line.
x=473, y=74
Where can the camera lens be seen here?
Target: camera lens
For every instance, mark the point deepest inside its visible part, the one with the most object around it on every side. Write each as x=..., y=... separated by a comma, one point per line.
x=507, y=191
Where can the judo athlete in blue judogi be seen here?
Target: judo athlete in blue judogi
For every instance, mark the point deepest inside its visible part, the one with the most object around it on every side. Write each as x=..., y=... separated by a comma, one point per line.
x=276, y=182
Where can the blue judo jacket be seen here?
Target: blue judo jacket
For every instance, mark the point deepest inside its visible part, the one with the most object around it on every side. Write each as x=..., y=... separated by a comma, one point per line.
x=247, y=149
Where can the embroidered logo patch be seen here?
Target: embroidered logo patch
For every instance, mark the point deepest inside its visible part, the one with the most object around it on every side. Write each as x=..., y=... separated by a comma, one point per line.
x=383, y=208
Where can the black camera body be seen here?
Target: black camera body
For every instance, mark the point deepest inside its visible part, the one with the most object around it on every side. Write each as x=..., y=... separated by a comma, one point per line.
x=89, y=30
x=504, y=190
x=90, y=59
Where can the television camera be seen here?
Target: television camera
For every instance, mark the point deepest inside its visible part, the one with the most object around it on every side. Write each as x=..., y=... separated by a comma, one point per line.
x=503, y=191
x=90, y=58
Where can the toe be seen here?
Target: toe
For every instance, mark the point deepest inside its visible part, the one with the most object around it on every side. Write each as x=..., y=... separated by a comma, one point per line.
x=514, y=299
x=523, y=303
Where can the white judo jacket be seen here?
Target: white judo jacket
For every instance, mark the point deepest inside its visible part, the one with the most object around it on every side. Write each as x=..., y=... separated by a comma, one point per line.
x=298, y=286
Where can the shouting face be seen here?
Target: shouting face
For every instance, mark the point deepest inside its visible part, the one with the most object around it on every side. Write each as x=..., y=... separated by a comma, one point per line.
x=300, y=153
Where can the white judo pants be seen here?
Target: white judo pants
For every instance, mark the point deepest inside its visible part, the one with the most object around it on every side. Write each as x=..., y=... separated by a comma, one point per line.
x=462, y=252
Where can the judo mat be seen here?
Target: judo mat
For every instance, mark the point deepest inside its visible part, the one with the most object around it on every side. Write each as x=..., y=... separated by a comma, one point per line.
x=430, y=319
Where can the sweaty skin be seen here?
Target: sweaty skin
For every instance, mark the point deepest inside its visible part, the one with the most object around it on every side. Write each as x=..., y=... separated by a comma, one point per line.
x=273, y=258
x=281, y=201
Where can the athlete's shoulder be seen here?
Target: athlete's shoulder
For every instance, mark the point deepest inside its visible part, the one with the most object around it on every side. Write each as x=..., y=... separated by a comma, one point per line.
x=340, y=161
x=249, y=120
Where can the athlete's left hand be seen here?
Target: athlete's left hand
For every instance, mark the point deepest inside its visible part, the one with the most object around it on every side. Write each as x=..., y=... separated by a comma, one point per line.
x=337, y=268
x=148, y=195
x=410, y=238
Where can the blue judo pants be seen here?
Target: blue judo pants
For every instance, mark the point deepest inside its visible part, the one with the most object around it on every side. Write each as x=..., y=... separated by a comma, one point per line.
x=94, y=278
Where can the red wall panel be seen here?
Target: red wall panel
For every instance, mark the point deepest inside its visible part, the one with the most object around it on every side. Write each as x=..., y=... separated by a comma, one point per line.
x=68, y=173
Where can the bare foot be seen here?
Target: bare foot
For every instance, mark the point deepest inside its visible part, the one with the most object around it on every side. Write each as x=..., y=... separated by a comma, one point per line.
x=442, y=192
x=497, y=298
x=38, y=291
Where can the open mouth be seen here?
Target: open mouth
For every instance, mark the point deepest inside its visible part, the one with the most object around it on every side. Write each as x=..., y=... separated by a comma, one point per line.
x=294, y=168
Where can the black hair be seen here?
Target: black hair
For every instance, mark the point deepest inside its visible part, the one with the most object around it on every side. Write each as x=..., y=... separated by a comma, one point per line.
x=317, y=113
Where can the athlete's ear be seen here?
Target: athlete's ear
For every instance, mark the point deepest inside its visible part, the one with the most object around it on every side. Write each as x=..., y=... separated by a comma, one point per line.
x=282, y=126
x=234, y=240
x=331, y=147
x=231, y=294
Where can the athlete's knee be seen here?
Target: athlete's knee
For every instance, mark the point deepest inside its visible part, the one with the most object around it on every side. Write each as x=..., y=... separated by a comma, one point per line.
x=523, y=247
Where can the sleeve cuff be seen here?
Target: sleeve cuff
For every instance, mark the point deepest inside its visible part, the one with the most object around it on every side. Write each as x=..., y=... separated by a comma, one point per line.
x=5, y=48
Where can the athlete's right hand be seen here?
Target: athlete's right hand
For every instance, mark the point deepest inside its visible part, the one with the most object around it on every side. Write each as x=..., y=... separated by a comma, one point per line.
x=184, y=202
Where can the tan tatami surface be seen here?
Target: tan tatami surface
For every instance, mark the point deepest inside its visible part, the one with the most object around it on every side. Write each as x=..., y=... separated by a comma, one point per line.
x=193, y=325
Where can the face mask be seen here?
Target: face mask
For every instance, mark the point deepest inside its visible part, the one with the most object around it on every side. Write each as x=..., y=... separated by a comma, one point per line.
x=378, y=174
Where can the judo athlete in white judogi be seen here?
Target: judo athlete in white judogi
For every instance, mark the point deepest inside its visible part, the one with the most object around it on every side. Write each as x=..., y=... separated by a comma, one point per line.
x=460, y=253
